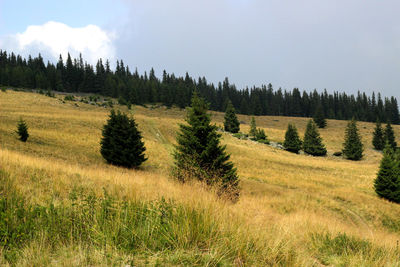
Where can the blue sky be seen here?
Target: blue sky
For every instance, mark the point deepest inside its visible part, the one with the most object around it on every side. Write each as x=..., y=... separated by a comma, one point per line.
x=338, y=44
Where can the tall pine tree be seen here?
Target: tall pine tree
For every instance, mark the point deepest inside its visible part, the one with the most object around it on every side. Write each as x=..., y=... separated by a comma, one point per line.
x=121, y=143
x=352, y=147
x=292, y=140
x=319, y=117
x=199, y=154
x=253, y=128
x=22, y=130
x=378, y=140
x=312, y=143
x=389, y=136
x=387, y=183
x=231, y=123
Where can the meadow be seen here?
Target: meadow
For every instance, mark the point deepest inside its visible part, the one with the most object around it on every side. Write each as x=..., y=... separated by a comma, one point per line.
x=62, y=205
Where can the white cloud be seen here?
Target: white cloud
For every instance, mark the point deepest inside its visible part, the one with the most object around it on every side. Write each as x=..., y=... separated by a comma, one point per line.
x=54, y=38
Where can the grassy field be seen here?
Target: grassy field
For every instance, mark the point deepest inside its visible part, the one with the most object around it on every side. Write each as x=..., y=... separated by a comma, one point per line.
x=62, y=205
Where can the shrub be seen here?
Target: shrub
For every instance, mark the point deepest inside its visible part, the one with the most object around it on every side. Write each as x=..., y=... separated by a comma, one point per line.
x=338, y=153
x=292, y=140
x=22, y=130
x=231, y=123
x=352, y=147
x=49, y=93
x=3, y=90
x=69, y=98
x=199, y=154
x=122, y=144
x=312, y=143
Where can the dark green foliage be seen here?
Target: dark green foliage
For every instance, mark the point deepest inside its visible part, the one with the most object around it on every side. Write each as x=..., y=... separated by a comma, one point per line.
x=122, y=144
x=319, y=117
x=352, y=147
x=231, y=123
x=73, y=75
x=378, y=140
x=69, y=98
x=4, y=90
x=338, y=153
x=22, y=130
x=49, y=93
x=241, y=135
x=292, y=140
x=389, y=136
x=260, y=134
x=312, y=143
x=253, y=128
x=387, y=183
x=199, y=154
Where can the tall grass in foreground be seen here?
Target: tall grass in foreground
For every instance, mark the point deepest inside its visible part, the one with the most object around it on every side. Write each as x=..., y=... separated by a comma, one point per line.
x=180, y=234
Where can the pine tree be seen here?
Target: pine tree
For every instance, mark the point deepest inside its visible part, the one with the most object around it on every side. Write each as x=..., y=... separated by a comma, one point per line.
x=231, y=123
x=312, y=141
x=378, y=140
x=199, y=154
x=389, y=136
x=253, y=127
x=352, y=147
x=121, y=143
x=22, y=130
x=319, y=117
x=387, y=183
x=292, y=140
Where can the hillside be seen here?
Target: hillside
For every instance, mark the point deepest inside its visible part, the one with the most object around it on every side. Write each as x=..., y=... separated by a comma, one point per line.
x=294, y=210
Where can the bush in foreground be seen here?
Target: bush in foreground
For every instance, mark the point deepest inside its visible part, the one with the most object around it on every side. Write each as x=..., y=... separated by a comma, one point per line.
x=122, y=144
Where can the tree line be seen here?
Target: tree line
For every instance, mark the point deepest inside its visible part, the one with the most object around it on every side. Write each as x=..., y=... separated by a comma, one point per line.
x=75, y=75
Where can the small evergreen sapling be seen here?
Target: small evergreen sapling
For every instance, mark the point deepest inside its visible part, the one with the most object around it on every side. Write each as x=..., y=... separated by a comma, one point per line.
x=352, y=147
x=319, y=117
x=292, y=140
x=199, y=154
x=389, y=136
x=253, y=128
x=312, y=143
x=231, y=123
x=387, y=183
x=22, y=130
x=122, y=144
x=378, y=140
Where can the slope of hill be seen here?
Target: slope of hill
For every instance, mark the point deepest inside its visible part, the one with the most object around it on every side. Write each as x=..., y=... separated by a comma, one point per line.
x=68, y=207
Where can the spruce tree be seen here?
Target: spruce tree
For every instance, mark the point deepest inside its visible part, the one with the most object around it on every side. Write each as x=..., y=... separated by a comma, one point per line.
x=319, y=117
x=199, y=154
x=378, y=140
x=253, y=127
x=121, y=143
x=389, y=136
x=231, y=123
x=352, y=147
x=387, y=183
x=22, y=130
x=312, y=143
x=292, y=140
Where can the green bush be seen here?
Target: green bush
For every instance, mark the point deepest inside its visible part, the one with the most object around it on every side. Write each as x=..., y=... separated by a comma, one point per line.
x=69, y=98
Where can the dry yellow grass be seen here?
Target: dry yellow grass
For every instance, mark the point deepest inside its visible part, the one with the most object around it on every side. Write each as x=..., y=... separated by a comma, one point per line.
x=286, y=199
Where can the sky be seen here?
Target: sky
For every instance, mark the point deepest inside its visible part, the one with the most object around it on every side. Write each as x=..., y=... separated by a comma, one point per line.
x=343, y=45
